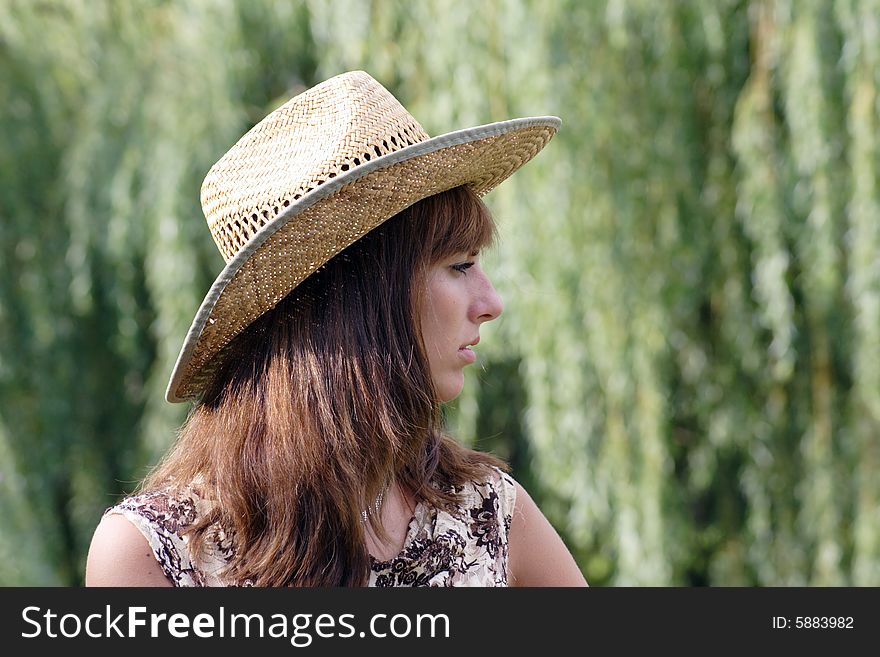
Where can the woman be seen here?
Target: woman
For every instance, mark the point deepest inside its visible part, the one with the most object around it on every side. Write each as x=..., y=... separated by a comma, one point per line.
x=351, y=300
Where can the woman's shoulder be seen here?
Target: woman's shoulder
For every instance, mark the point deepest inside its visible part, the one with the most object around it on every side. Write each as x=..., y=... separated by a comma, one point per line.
x=120, y=555
x=495, y=490
x=142, y=541
x=168, y=510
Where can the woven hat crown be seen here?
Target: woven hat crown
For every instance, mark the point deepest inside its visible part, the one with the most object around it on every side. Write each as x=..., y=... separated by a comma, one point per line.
x=314, y=137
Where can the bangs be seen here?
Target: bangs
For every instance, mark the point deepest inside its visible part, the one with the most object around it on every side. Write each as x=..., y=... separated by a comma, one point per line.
x=457, y=222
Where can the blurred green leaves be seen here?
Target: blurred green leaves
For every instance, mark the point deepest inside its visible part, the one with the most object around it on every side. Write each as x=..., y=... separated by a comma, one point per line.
x=687, y=373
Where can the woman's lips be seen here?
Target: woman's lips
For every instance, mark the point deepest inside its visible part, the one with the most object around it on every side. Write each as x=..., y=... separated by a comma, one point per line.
x=467, y=355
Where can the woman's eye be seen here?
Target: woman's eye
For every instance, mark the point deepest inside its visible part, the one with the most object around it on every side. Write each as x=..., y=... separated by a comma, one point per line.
x=463, y=267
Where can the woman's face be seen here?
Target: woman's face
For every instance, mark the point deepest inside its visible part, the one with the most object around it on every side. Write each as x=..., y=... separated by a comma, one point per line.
x=459, y=298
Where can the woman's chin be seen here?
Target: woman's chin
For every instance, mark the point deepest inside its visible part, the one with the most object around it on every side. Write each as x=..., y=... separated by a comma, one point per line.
x=450, y=388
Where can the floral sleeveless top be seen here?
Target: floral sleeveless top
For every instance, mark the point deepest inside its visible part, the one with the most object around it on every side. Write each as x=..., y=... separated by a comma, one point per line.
x=466, y=548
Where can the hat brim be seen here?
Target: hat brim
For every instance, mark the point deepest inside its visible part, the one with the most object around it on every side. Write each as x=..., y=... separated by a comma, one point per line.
x=308, y=233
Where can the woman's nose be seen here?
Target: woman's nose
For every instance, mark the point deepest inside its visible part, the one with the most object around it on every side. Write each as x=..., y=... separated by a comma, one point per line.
x=489, y=303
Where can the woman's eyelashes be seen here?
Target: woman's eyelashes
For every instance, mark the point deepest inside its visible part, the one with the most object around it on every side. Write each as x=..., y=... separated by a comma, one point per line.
x=462, y=267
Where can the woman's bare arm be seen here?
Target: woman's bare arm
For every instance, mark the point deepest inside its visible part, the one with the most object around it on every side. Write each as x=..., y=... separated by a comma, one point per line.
x=538, y=557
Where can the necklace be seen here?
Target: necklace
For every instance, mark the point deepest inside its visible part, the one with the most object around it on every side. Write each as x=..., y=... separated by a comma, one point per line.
x=375, y=507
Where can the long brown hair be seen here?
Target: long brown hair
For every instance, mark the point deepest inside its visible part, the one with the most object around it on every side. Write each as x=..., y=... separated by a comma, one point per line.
x=325, y=400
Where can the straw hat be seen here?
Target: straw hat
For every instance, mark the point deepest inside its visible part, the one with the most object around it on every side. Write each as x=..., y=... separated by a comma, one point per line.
x=312, y=177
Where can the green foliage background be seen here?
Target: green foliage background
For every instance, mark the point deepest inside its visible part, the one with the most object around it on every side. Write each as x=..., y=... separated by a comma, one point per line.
x=687, y=373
